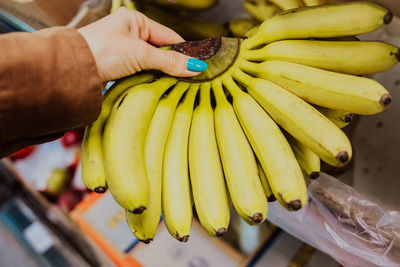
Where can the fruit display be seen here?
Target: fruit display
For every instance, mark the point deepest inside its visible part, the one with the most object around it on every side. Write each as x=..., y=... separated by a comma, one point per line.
x=250, y=129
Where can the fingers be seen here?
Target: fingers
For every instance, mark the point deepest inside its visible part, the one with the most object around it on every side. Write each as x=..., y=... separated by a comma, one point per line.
x=171, y=62
x=153, y=32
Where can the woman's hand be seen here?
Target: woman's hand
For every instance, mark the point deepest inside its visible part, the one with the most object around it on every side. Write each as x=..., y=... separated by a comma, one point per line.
x=126, y=42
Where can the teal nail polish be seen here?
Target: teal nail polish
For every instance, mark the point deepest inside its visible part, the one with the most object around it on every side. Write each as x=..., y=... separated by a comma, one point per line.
x=194, y=64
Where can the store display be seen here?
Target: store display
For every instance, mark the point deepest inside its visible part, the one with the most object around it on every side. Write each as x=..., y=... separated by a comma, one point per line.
x=243, y=96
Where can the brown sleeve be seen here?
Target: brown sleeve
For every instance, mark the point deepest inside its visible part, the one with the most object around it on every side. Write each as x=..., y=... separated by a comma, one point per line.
x=49, y=83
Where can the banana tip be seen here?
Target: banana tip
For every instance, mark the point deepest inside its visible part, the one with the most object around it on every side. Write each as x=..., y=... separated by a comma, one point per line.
x=388, y=17
x=100, y=189
x=294, y=205
x=348, y=118
x=314, y=175
x=220, y=232
x=257, y=217
x=184, y=238
x=147, y=241
x=138, y=210
x=342, y=157
x=271, y=198
x=398, y=55
x=386, y=99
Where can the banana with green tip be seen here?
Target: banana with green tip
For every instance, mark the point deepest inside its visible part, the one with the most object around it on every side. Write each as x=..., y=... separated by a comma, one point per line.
x=271, y=148
x=355, y=57
x=238, y=162
x=339, y=117
x=93, y=175
x=124, y=141
x=299, y=119
x=323, y=21
x=145, y=225
x=176, y=192
x=206, y=175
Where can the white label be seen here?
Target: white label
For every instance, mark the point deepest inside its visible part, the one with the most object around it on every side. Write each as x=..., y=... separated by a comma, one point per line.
x=38, y=237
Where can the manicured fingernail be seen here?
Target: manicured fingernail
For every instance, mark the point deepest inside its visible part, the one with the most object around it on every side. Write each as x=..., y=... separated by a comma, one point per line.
x=194, y=64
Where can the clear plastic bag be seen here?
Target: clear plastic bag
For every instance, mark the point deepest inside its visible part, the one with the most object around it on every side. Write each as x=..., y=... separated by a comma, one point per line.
x=343, y=224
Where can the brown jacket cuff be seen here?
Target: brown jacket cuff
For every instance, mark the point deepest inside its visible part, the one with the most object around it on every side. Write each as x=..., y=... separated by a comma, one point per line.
x=49, y=83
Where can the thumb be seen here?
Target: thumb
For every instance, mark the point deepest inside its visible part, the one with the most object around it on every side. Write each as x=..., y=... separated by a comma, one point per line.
x=171, y=62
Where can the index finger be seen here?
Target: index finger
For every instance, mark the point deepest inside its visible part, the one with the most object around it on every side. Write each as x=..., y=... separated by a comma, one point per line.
x=156, y=33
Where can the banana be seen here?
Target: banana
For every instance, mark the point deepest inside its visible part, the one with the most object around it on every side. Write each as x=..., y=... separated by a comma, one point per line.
x=265, y=184
x=271, y=148
x=145, y=225
x=238, y=162
x=287, y=4
x=299, y=119
x=308, y=160
x=314, y=2
x=339, y=117
x=239, y=27
x=93, y=175
x=188, y=27
x=206, y=175
x=194, y=5
x=356, y=58
x=124, y=140
x=115, y=4
x=329, y=89
x=176, y=193
x=321, y=22
x=260, y=9
x=129, y=4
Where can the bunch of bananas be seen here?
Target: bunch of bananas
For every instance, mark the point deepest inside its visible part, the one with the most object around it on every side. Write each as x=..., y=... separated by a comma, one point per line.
x=261, y=10
x=247, y=130
x=189, y=27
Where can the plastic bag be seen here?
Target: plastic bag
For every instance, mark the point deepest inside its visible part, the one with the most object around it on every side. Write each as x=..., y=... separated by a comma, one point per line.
x=343, y=224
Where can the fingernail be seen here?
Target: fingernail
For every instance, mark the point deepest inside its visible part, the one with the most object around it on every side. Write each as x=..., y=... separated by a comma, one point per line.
x=194, y=64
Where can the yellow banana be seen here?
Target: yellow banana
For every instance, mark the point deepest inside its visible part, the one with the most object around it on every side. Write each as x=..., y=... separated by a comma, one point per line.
x=329, y=89
x=265, y=184
x=239, y=27
x=339, y=117
x=287, y=4
x=124, y=141
x=176, y=193
x=238, y=162
x=308, y=160
x=194, y=5
x=260, y=9
x=145, y=225
x=300, y=119
x=321, y=22
x=314, y=2
x=188, y=27
x=271, y=148
x=356, y=58
x=115, y=4
x=93, y=175
x=206, y=175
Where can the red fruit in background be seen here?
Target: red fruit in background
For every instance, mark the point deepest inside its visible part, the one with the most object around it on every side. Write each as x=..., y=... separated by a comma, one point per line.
x=23, y=153
x=69, y=199
x=71, y=138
